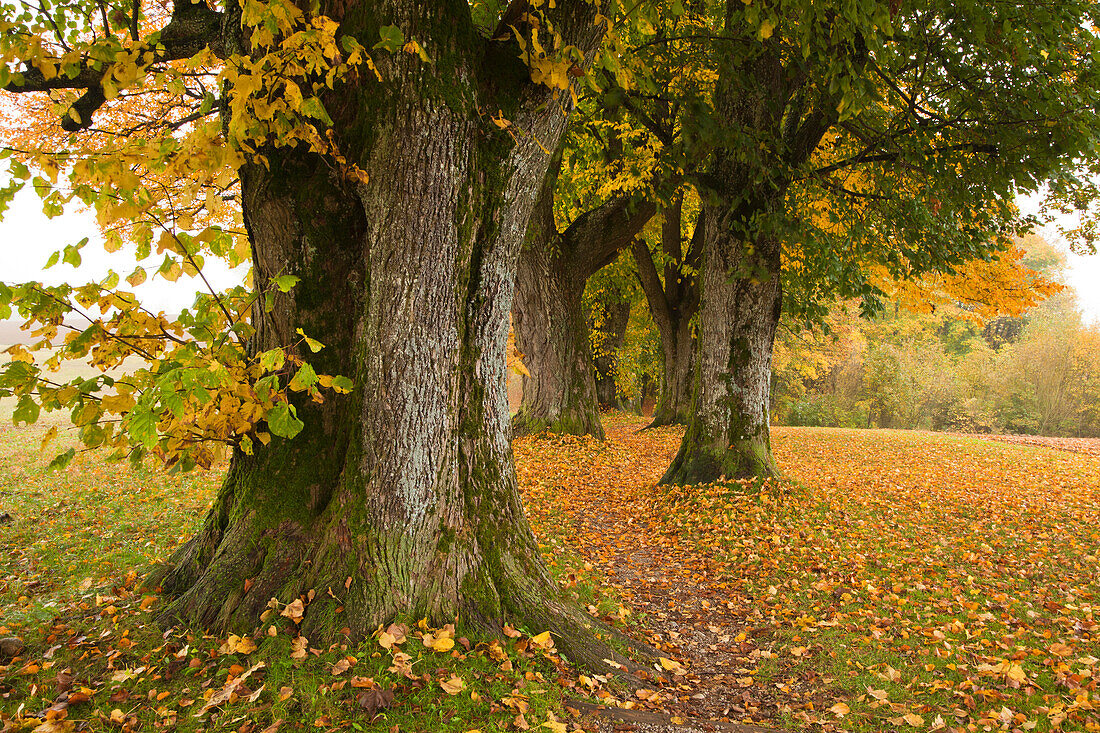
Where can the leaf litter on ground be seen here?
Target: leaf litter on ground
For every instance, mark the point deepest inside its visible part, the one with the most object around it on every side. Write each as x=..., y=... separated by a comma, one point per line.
x=896, y=580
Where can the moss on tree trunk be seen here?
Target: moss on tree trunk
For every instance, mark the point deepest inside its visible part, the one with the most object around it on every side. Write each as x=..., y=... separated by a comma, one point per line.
x=399, y=498
x=728, y=435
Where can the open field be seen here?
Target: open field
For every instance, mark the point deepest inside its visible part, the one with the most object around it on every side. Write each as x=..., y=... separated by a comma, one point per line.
x=900, y=581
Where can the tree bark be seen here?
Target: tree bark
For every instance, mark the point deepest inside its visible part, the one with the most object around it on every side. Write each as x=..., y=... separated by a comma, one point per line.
x=399, y=499
x=615, y=318
x=559, y=391
x=728, y=435
x=673, y=303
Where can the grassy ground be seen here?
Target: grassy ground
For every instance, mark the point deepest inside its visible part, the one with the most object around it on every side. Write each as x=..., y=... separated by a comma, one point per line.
x=926, y=581
x=71, y=564
x=910, y=581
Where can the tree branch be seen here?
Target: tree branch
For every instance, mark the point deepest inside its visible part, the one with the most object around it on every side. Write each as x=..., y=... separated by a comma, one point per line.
x=651, y=286
x=192, y=28
x=988, y=149
x=808, y=136
x=596, y=236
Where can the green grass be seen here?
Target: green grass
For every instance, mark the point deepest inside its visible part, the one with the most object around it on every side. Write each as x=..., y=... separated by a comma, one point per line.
x=71, y=566
x=916, y=581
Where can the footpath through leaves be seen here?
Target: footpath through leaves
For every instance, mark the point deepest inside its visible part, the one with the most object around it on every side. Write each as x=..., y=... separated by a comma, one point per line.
x=912, y=581
x=900, y=581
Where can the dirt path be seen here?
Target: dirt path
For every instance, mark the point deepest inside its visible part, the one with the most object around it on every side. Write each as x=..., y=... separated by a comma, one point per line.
x=680, y=604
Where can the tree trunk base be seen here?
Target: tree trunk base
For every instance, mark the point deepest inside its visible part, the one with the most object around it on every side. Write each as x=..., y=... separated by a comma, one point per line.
x=700, y=464
x=579, y=422
x=225, y=577
x=664, y=418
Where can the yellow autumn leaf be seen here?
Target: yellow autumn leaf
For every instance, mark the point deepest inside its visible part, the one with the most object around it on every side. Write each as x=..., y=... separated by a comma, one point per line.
x=543, y=640
x=672, y=665
x=118, y=404
x=238, y=645
x=840, y=709
x=438, y=643
x=454, y=685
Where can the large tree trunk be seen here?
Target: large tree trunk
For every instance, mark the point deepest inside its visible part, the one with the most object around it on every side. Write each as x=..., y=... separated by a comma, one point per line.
x=673, y=302
x=728, y=435
x=743, y=214
x=606, y=346
x=559, y=391
x=400, y=498
x=677, y=377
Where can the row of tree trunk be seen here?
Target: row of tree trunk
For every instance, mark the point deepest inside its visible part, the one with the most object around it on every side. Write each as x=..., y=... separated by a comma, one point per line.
x=725, y=368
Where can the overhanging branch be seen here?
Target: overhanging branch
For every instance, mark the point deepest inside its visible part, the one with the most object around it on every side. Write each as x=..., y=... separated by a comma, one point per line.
x=192, y=28
x=986, y=148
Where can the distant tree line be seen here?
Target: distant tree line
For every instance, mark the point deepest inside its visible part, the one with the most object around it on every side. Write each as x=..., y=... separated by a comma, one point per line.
x=1033, y=373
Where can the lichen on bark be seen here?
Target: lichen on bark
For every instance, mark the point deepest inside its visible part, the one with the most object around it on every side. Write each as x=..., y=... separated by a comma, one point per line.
x=399, y=499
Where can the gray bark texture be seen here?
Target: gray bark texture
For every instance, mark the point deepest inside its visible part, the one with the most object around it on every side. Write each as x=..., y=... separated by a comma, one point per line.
x=559, y=391
x=401, y=497
x=728, y=435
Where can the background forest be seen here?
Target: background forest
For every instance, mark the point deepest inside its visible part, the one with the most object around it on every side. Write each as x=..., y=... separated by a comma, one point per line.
x=983, y=358
x=947, y=367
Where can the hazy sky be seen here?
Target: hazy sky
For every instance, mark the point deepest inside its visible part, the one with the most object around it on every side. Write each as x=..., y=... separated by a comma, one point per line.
x=27, y=238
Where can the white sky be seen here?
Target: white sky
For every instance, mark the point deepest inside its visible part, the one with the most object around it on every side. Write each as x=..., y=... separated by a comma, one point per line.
x=1083, y=275
x=28, y=237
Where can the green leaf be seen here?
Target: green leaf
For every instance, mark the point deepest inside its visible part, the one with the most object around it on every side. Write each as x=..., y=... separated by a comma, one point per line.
x=283, y=421
x=142, y=424
x=59, y=462
x=72, y=253
x=272, y=360
x=342, y=384
x=313, y=344
x=286, y=282
x=304, y=379
x=313, y=107
x=392, y=38
x=26, y=411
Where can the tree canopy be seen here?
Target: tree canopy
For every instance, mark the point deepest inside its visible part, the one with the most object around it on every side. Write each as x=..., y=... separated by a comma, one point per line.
x=379, y=166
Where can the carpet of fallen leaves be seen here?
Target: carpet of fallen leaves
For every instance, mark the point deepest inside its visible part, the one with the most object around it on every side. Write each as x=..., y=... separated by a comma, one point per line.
x=902, y=580
x=1089, y=446
x=895, y=581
